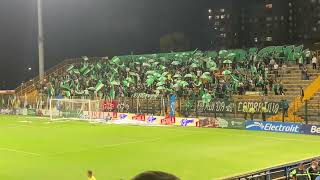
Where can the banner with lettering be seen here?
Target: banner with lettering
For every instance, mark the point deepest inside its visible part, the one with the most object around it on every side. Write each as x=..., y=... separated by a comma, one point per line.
x=217, y=106
x=272, y=107
x=225, y=106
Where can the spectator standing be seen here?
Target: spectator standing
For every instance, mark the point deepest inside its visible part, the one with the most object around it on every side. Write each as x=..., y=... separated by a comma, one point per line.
x=313, y=171
x=276, y=68
x=283, y=69
x=271, y=64
x=301, y=94
x=252, y=111
x=285, y=107
x=281, y=90
x=304, y=73
x=245, y=111
x=314, y=62
x=264, y=111
x=299, y=173
x=300, y=61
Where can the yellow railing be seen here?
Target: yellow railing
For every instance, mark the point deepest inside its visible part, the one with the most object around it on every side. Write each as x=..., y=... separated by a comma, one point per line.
x=30, y=86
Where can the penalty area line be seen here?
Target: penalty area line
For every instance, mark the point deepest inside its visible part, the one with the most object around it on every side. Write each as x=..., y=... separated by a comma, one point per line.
x=19, y=151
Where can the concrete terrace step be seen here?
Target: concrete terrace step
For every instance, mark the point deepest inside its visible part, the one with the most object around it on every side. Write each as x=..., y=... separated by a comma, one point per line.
x=270, y=97
x=297, y=82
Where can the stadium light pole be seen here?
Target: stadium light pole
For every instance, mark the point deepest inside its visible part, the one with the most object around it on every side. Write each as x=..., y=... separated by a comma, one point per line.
x=40, y=40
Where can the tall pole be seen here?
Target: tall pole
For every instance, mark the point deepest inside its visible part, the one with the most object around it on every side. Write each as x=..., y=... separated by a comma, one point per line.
x=40, y=40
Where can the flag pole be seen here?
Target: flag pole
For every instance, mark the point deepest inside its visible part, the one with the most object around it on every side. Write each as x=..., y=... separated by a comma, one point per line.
x=40, y=40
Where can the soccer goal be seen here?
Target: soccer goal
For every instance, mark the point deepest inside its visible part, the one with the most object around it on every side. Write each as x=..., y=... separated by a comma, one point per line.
x=78, y=109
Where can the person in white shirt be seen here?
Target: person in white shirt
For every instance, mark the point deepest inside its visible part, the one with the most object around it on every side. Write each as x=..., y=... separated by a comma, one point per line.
x=275, y=68
x=314, y=62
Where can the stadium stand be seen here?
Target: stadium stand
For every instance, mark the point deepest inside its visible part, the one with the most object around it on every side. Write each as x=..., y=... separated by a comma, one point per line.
x=271, y=73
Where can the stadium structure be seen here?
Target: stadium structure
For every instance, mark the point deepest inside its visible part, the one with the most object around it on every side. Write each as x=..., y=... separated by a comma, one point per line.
x=228, y=114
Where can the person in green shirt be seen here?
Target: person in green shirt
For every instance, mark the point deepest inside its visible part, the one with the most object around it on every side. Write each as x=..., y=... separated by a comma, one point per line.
x=299, y=173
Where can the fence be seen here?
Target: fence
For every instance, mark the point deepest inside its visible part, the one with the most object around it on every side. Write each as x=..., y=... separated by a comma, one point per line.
x=186, y=107
x=309, y=111
x=278, y=172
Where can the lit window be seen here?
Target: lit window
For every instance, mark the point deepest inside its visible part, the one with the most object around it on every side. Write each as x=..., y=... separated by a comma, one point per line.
x=222, y=16
x=223, y=35
x=210, y=17
x=290, y=18
x=290, y=4
x=269, y=18
x=222, y=10
x=209, y=10
x=217, y=17
x=282, y=18
x=314, y=29
x=268, y=38
x=255, y=39
x=269, y=6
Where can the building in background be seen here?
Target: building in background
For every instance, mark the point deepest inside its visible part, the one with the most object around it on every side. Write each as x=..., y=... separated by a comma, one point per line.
x=304, y=21
x=222, y=32
x=258, y=23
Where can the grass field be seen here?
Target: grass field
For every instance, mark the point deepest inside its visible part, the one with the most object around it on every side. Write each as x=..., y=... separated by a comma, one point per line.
x=49, y=151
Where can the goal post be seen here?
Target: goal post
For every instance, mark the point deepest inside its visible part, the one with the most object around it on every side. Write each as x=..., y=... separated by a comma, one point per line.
x=78, y=109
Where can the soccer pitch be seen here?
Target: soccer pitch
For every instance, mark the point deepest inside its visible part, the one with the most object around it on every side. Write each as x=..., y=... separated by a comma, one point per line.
x=32, y=149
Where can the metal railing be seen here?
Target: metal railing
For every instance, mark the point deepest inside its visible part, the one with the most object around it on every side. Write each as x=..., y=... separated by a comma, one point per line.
x=183, y=107
x=277, y=172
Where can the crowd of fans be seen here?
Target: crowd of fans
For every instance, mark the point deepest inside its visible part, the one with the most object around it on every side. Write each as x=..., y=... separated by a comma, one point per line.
x=303, y=172
x=183, y=74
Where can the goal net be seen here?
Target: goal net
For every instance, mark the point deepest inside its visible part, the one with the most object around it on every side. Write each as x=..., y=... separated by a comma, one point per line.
x=78, y=109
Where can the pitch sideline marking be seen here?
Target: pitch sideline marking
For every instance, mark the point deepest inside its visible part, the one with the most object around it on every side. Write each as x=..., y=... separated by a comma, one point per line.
x=19, y=151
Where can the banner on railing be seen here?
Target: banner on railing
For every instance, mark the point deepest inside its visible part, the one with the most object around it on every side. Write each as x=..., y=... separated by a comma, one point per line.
x=274, y=126
x=218, y=106
x=221, y=123
x=225, y=106
x=272, y=107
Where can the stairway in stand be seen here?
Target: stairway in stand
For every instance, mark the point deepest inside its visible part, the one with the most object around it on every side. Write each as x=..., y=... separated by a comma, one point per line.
x=292, y=83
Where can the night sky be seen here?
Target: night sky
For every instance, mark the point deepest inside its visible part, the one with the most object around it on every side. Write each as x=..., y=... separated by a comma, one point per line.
x=75, y=28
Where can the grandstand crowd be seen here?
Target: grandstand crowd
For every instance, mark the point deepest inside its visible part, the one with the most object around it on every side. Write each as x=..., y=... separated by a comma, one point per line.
x=303, y=172
x=188, y=74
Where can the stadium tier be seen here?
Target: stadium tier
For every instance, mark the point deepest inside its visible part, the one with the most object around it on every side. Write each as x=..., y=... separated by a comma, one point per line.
x=270, y=75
